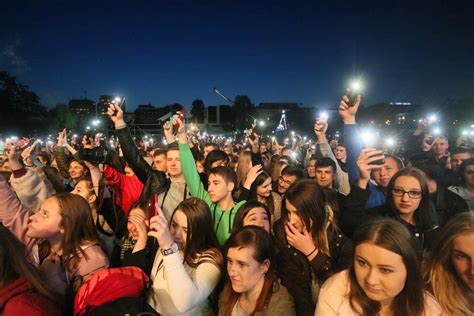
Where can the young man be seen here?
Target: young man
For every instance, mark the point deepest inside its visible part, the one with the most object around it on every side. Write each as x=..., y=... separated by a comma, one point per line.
x=168, y=190
x=221, y=183
x=289, y=176
x=325, y=172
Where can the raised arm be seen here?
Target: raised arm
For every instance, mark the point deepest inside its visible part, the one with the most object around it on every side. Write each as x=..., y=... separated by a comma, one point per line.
x=139, y=165
x=351, y=135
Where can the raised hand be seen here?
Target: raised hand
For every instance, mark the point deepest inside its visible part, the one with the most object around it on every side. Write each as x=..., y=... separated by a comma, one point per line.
x=348, y=111
x=159, y=229
x=364, y=163
x=62, y=141
x=115, y=113
x=320, y=130
x=252, y=174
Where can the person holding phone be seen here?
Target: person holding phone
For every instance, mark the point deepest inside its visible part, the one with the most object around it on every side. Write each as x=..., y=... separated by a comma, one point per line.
x=187, y=265
x=362, y=164
x=169, y=188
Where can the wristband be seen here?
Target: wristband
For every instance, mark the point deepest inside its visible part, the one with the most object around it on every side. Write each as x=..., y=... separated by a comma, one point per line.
x=309, y=255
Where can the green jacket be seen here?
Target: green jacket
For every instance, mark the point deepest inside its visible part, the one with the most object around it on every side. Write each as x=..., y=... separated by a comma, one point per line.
x=223, y=219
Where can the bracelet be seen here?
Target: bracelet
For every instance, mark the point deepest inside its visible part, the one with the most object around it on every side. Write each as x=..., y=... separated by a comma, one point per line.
x=309, y=255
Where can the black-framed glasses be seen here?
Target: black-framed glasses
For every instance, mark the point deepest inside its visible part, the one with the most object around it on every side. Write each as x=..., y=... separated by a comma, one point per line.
x=414, y=194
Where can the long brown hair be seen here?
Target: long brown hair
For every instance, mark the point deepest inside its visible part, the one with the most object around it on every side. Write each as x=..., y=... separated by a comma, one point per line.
x=259, y=180
x=310, y=201
x=261, y=241
x=14, y=264
x=201, y=241
x=443, y=281
x=392, y=235
x=79, y=228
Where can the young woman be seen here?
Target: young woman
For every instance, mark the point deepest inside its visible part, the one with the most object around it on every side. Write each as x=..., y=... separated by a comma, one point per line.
x=243, y=166
x=252, y=287
x=187, y=266
x=253, y=213
x=384, y=278
x=22, y=291
x=258, y=187
x=61, y=236
x=450, y=269
x=310, y=245
x=408, y=201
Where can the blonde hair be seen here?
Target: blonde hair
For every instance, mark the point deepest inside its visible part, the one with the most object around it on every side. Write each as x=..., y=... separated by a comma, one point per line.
x=243, y=165
x=440, y=274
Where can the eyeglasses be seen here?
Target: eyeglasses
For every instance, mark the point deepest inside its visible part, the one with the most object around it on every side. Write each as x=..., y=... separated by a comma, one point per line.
x=411, y=194
x=285, y=181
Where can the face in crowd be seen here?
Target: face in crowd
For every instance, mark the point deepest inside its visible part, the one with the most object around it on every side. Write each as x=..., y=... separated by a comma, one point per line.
x=311, y=169
x=257, y=216
x=386, y=171
x=76, y=170
x=159, y=162
x=208, y=149
x=457, y=160
x=406, y=195
x=245, y=273
x=440, y=147
x=294, y=218
x=325, y=176
x=284, y=182
x=218, y=188
x=265, y=189
x=173, y=163
x=340, y=153
x=139, y=215
x=468, y=176
x=46, y=223
x=179, y=228
x=462, y=257
x=380, y=273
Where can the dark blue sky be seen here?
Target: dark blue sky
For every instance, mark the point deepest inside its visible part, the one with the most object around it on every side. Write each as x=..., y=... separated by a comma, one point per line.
x=162, y=52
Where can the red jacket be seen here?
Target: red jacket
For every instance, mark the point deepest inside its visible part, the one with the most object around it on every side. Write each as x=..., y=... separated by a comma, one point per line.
x=128, y=188
x=20, y=298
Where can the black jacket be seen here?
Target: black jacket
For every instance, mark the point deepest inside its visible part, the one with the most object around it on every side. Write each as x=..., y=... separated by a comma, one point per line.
x=154, y=181
x=295, y=271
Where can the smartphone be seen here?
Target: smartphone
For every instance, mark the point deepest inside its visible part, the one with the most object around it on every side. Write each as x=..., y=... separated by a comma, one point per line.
x=379, y=161
x=151, y=206
x=351, y=95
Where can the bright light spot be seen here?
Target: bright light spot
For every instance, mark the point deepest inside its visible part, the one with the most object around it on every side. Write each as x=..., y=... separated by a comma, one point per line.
x=464, y=132
x=118, y=99
x=437, y=131
x=292, y=133
x=323, y=116
x=356, y=85
x=283, y=111
x=95, y=122
x=432, y=118
x=75, y=135
x=261, y=123
x=88, y=128
x=368, y=137
x=390, y=142
x=304, y=138
x=293, y=154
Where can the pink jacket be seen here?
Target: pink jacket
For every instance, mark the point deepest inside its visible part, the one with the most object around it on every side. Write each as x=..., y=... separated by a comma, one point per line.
x=334, y=298
x=14, y=216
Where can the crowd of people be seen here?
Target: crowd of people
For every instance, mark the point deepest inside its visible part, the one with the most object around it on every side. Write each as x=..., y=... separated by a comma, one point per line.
x=237, y=228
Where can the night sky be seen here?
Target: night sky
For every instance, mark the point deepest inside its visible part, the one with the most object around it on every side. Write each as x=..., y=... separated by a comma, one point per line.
x=162, y=52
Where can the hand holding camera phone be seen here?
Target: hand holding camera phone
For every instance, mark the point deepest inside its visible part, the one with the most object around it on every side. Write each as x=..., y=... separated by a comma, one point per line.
x=351, y=94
